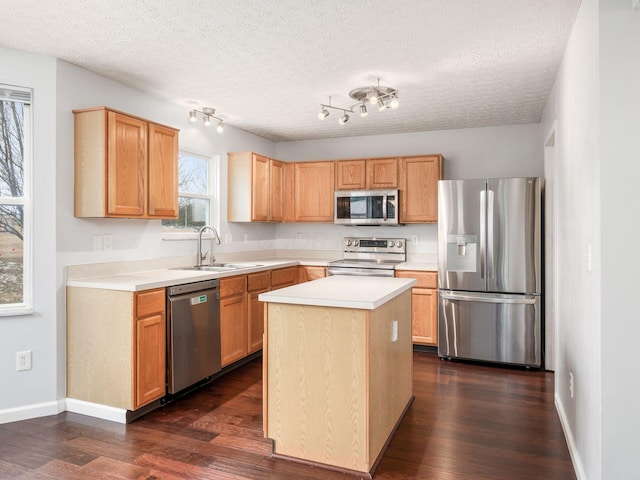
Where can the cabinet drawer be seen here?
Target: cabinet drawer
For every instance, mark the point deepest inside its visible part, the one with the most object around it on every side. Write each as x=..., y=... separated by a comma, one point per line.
x=233, y=285
x=258, y=281
x=424, y=279
x=284, y=276
x=150, y=301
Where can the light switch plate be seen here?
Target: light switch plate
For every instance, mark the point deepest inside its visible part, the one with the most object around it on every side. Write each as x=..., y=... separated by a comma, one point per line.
x=394, y=331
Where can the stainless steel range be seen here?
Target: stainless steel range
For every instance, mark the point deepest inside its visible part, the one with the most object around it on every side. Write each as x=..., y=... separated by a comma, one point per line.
x=374, y=256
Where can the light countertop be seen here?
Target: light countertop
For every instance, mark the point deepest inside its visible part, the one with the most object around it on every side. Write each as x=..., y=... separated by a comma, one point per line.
x=165, y=277
x=419, y=266
x=344, y=291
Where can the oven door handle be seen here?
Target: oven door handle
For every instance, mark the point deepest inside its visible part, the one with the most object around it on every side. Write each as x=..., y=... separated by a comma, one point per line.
x=361, y=272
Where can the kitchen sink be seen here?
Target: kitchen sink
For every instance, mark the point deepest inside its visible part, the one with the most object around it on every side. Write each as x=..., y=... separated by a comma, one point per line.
x=220, y=267
x=207, y=268
x=237, y=265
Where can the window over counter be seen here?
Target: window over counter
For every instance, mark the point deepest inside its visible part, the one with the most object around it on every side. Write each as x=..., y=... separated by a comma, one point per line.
x=15, y=201
x=197, y=195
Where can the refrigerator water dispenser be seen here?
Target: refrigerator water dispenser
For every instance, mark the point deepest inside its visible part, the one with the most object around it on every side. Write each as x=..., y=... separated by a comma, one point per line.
x=461, y=253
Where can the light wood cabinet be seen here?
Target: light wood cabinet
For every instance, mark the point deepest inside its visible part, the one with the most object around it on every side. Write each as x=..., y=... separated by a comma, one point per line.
x=125, y=166
x=257, y=283
x=284, y=277
x=424, y=303
x=233, y=319
x=382, y=173
x=351, y=175
x=419, y=188
x=255, y=188
x=116, y=346
x=150, y=348
x=288, y=193
x=314, y=187
x=307, y=273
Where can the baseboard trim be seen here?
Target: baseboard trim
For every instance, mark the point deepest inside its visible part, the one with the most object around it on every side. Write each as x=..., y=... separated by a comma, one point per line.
x=104, y=412
x=571, y=444
x=27, y=412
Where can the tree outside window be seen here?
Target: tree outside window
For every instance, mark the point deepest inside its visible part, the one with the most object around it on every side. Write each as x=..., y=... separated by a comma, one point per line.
x=14, y=205
x=195, y=194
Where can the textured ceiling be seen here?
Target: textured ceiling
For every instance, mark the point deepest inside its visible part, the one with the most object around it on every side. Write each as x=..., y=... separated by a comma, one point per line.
x=266, y=65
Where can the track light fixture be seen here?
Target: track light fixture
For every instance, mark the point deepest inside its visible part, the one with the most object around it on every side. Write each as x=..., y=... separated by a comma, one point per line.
x=208, y=114
x=384, y=97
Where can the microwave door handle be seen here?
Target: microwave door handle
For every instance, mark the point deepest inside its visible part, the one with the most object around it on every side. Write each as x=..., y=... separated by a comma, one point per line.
x=384, y=207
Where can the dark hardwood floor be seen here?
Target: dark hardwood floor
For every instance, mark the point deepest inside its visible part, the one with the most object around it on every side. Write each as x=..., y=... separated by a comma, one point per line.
x=467, y=422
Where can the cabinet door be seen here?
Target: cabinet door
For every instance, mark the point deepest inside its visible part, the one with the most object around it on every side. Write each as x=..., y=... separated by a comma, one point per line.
x=276, y=181
x=350, y=175
x=382, y=173
x=255, y=322
x=126, y=165
x=284, y=277
x=419, y=189
x=308, y=273
x=150, y=359
x=424, y=324
x=260, y=189
x=163, y=172
x=314, y=184
x=233, y=328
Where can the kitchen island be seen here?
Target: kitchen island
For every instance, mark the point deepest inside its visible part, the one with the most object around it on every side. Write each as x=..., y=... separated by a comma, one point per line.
x=337, y=369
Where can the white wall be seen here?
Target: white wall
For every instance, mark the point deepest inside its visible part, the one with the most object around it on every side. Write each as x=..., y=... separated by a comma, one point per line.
x=574, y=104
x=620, y=157
x=508, y=151
x=37, y=332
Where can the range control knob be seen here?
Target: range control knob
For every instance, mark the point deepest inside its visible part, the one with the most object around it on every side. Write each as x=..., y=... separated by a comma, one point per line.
x=356, y=243
x=348, y=242
x=399, y=245
x=392, y=243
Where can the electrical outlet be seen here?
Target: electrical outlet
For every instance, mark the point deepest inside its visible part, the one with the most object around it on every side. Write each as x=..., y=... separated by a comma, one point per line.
x=246, y=238
x=571, y=384
x=107, y=241
x=23, y=361
x=414, y=239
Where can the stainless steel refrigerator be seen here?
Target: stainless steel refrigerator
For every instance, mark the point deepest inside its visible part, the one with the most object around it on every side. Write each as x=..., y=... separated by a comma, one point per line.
x=489, y=270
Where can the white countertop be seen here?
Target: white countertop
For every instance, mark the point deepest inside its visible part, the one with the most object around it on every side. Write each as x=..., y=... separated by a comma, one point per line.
x=344, y=291
x=165, y=277
x=418, y=266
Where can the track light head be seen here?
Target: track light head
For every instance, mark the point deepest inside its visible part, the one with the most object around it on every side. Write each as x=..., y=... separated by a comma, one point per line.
x=220, y=127
x=381, y=105
x=363, y=110
x=324, y=113
x=193, y=116
x=344, y=119
x=207, y=120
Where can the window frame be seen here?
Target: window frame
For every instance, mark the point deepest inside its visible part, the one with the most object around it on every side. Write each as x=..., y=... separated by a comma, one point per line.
x=26, y=201
x=213, y=190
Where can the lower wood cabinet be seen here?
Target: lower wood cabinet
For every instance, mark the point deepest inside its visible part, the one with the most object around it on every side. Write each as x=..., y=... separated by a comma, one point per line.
x=424, y=306
x=116, y=346
x=307, y=273
x=257, y=283
x=284, y=277
x=233, y=319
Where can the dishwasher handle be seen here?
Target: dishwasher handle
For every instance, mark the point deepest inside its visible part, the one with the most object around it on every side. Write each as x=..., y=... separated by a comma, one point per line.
x=193, y=287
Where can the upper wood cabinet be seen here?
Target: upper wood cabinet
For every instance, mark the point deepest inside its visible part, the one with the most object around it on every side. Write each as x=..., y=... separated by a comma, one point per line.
x=367, y=174
x=313, y=190
x=382, y=173
x=419, y=188
x=125, y=166
x=351, y=175
x=255, y=188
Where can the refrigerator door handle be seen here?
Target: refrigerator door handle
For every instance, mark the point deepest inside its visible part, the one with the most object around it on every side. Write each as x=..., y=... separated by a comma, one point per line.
x=485, y=298
x=483, y=231
x=490, y=265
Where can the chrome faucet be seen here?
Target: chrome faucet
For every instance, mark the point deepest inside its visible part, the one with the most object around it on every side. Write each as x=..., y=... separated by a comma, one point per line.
x=201, y=256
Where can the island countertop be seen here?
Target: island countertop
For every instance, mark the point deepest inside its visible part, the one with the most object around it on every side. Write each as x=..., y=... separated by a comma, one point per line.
x=342, y=291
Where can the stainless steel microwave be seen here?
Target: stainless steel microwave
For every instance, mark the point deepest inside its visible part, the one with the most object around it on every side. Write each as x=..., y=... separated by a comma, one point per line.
x=366, y=207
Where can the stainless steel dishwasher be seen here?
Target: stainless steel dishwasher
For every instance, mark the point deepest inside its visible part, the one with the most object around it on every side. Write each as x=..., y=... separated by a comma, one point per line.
x=193, y=333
